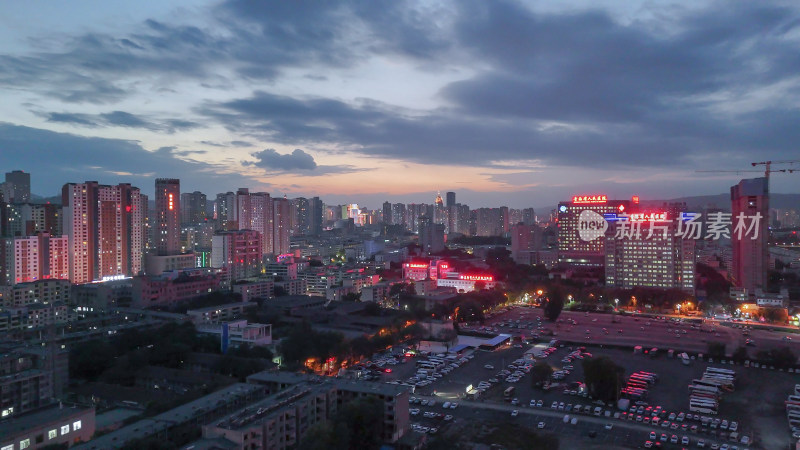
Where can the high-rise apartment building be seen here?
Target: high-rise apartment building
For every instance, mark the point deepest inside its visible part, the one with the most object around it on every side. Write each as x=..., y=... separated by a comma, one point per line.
x=387, y=213
x=528, y=216
x=80, y=226
x=39, y=257
x=281, y=226
x=301, y=216
x=26, y=219
x=524, y=239
x=120, y=235
x=399, y=214
x=316, y=214
x=18, y=186
x=750, y=200
x=105, y=226
x=193, y=207
x=491, y=221
x=451, y=199
x=239, y=252
x=225, y=211
x=168, y=221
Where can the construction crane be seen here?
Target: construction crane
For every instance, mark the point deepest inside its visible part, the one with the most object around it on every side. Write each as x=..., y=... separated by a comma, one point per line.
x=767, y=168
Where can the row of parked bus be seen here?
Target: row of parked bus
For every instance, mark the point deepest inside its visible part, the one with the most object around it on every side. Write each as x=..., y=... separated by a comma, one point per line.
x=705, y=393
x=638, y=384
x=793, y=409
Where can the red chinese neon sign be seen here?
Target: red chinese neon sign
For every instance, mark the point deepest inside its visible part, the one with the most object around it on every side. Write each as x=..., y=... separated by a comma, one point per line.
x=589, y=199
x=649, y=217
x=476, y=277
x=417, y=266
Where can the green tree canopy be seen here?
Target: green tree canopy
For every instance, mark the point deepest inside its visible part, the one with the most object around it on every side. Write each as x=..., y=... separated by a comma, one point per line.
x=603, y=378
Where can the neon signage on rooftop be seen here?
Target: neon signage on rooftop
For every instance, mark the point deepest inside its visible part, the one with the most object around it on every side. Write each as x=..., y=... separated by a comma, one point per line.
x=589, y=199
x=649, y=217
x=476, y=277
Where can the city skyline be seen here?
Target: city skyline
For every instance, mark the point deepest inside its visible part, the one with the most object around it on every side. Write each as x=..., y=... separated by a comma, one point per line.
x=336, y=102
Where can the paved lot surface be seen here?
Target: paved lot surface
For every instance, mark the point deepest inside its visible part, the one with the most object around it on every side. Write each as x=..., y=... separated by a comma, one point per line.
x=757, y=403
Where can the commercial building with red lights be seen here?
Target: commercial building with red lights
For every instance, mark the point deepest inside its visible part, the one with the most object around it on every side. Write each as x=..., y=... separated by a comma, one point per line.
x=572, y=248
x=419, y=270
x=465, y=282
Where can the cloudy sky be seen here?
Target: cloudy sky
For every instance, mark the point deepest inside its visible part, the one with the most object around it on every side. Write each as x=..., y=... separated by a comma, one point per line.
x=504, y=102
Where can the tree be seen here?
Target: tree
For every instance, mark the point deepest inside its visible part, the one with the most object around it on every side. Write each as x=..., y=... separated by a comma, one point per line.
x=352, y=297
x=372, y=309
x=603, y=378
x=775, y=315
x=740, y=354
x=716, y=350
x=781, y=357
x=554, y=304
x=540, y=372
x=358, y=424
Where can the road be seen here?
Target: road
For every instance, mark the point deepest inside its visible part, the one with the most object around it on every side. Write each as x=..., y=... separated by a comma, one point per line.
x=647, y=332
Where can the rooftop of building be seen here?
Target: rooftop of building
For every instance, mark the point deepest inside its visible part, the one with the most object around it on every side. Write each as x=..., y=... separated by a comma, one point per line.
x=339, y=383
x=40, y=418
x=301, y=386
x=219, y=443
x=223, y=306
x=163, y=421
x=294, y=301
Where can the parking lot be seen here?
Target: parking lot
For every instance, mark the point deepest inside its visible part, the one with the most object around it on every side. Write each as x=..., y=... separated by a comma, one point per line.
x=759, y=419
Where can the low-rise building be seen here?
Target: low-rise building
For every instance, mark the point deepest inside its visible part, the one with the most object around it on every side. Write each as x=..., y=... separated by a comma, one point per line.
x=197, y=411
x=219, y=313
x=101, y=296
x=30, y=378
x=465, y=282
x=239, y=332
x=293, y=287
x=296, y=402
x=375, y=293
x=253, y=288
x=40, y=291
x=167, y=290
x=54, y=426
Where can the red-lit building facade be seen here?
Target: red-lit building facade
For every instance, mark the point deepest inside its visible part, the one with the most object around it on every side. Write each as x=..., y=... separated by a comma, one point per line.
x=238, y=253
x=40, y=257
x=465, y=282
x=104, y=226
x=419, y=270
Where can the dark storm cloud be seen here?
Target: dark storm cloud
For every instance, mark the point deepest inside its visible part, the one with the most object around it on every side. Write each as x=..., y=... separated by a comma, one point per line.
x=120, y=119
x=585, y=66
x=57, y=158
x=257, y=40
x=567, y=88
x=298, y=162
x=270, y=160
